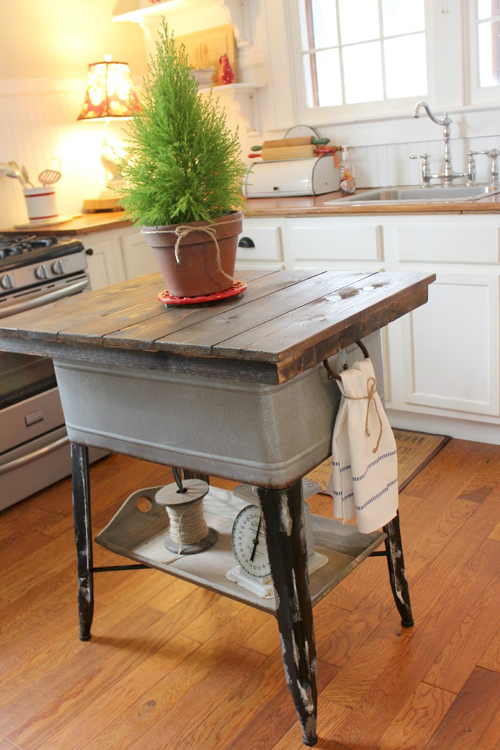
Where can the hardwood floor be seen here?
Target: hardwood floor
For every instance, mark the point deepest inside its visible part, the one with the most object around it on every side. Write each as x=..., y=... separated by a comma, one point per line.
x=174, y=667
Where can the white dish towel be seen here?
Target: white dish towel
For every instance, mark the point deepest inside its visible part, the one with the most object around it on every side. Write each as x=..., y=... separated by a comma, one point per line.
x=364, y=479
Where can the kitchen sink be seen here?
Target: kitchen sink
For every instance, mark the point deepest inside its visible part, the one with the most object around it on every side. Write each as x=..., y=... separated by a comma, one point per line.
x=413, y=194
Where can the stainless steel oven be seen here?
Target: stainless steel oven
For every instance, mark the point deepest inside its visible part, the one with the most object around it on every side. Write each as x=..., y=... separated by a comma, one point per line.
x=34, y=448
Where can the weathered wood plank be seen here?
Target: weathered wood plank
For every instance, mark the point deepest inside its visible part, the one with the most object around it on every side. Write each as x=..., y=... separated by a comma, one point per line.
x=144, y=335
x=201, y=338
x=297, y=363
x=91, y=330
x=80, y=308
x=262, y=372
x=313, y=323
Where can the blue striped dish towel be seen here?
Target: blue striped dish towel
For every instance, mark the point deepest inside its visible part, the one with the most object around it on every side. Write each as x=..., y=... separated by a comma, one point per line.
x=364, y=481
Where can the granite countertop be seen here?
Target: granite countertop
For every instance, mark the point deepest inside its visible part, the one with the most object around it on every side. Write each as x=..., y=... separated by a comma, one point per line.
x=313, y=205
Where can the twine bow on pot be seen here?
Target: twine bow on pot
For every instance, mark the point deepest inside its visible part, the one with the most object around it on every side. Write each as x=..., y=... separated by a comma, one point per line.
x=183, y=230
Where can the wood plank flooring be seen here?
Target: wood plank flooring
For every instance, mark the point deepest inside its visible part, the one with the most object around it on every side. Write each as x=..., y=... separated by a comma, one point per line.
x=174, y=667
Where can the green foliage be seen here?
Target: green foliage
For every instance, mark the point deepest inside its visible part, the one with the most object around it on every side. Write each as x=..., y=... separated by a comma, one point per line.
x=184, y=163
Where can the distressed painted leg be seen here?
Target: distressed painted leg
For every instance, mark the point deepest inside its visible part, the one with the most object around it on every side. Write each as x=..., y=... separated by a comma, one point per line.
x=286, y=542
x=83, y=537
x=397, y=572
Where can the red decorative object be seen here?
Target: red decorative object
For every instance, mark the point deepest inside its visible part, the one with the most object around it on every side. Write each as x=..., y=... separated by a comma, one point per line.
x=233, y=291
x=226, y=73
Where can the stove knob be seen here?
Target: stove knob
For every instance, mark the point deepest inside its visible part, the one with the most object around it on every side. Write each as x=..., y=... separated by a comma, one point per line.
x=57, y=267
x=41, y=272
x=7, y=282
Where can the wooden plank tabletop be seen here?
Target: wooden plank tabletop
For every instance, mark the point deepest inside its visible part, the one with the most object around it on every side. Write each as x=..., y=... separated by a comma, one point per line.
x=284, y=323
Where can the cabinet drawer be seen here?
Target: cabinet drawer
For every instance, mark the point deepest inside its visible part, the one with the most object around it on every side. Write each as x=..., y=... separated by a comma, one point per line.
x=314, y=240
x=467, y=243
x=259, y=243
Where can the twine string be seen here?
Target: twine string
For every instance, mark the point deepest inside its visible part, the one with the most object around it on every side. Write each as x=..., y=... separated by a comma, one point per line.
x=187, y=524
x=183, y=230
x=371, y=390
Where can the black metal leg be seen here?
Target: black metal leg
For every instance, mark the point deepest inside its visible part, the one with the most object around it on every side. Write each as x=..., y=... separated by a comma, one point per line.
x=286, y=541
x=397, y=572
x=83, y=537
x=195, y=475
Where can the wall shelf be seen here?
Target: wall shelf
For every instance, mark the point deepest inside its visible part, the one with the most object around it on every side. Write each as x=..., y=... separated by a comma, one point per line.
x=243, y=94
x=136, y=11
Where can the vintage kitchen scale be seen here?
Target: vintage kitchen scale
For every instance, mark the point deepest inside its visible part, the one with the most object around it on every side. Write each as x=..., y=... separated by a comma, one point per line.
x=253, y=571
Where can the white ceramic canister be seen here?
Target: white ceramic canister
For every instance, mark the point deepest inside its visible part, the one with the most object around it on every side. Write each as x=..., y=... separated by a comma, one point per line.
x=41, y=202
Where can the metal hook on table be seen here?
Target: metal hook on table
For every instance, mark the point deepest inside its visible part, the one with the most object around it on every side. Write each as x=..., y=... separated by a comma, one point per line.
x=332, y=375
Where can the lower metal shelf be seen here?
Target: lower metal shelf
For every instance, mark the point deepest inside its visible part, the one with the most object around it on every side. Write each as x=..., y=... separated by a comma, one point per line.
x=138, y=534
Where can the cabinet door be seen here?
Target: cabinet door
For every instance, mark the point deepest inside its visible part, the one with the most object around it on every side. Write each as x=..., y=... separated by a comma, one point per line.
x=260, y=241
x=101, y=264
x=451, y=345
x=138, y=258
x=333, y=239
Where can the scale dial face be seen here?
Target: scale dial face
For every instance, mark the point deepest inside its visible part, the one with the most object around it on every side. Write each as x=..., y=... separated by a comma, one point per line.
x=249, y=543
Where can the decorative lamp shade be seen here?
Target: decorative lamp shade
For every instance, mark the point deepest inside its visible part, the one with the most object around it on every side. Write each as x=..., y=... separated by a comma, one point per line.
x=109, y=91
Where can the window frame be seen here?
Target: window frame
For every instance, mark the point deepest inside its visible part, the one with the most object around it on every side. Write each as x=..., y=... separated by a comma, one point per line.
x=344, y=112
x=477, y=95
x=452, y=69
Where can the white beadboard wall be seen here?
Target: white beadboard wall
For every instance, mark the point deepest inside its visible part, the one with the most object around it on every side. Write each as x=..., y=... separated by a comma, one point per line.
x=36, y=126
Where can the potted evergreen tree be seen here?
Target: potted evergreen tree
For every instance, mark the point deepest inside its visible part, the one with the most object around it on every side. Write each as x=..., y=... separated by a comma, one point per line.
x=183, y=174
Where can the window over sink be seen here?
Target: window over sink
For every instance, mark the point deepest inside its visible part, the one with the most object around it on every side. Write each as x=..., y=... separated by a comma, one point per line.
x=356, y=51
x=356, y=60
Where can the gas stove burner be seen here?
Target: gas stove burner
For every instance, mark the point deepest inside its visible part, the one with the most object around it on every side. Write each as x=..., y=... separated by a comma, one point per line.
x=18, y=244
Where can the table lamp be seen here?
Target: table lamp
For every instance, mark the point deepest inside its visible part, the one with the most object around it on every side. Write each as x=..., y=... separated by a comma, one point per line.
x=109, y=96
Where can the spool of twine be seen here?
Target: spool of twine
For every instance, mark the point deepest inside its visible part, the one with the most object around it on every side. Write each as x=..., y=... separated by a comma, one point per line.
x=183, y=502
x=187, y=523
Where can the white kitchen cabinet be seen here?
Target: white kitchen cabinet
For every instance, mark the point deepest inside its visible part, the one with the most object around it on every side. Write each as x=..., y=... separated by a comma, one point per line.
x=260, y=245
x=451, y=345
x=117, y=255
x=101, y=264
x=333, y=239
x=442, y=362
x=137, y=258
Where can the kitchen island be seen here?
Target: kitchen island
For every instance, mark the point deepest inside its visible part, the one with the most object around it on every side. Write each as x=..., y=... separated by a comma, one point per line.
x=237, y=390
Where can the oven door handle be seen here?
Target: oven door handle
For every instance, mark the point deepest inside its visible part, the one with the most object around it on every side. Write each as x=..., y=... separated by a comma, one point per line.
x=44, y=299
x=17, y=463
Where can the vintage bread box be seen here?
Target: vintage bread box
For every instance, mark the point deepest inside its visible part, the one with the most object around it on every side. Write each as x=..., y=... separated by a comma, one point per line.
x=292, y=177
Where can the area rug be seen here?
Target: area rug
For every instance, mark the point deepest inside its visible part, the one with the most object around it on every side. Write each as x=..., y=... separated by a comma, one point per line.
x=415, y=450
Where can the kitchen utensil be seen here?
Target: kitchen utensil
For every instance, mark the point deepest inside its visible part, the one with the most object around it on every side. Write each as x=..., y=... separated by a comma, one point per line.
x=8, y=171
x=288, y=152
x=51, y=173
x=17, y=173
x=306, y=141
x=24, y=173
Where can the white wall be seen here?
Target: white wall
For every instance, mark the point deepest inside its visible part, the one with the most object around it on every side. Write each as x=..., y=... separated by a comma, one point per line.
x=48, y=46
x=45, y=52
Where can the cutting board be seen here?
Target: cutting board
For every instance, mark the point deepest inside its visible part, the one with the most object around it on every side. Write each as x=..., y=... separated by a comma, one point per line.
x=204, y=48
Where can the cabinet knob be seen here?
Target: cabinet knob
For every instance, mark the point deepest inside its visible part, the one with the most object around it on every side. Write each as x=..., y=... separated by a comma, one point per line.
x=246, y=242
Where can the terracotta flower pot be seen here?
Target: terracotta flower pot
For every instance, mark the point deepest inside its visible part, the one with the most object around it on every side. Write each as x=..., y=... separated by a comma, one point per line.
x=197, y=258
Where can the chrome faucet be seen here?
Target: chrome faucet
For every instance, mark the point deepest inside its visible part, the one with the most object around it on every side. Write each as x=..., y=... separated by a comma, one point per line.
x=448, y=175
x=493, y=154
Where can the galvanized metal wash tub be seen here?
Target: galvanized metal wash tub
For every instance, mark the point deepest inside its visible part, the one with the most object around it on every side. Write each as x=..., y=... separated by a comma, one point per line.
x=196, y=422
